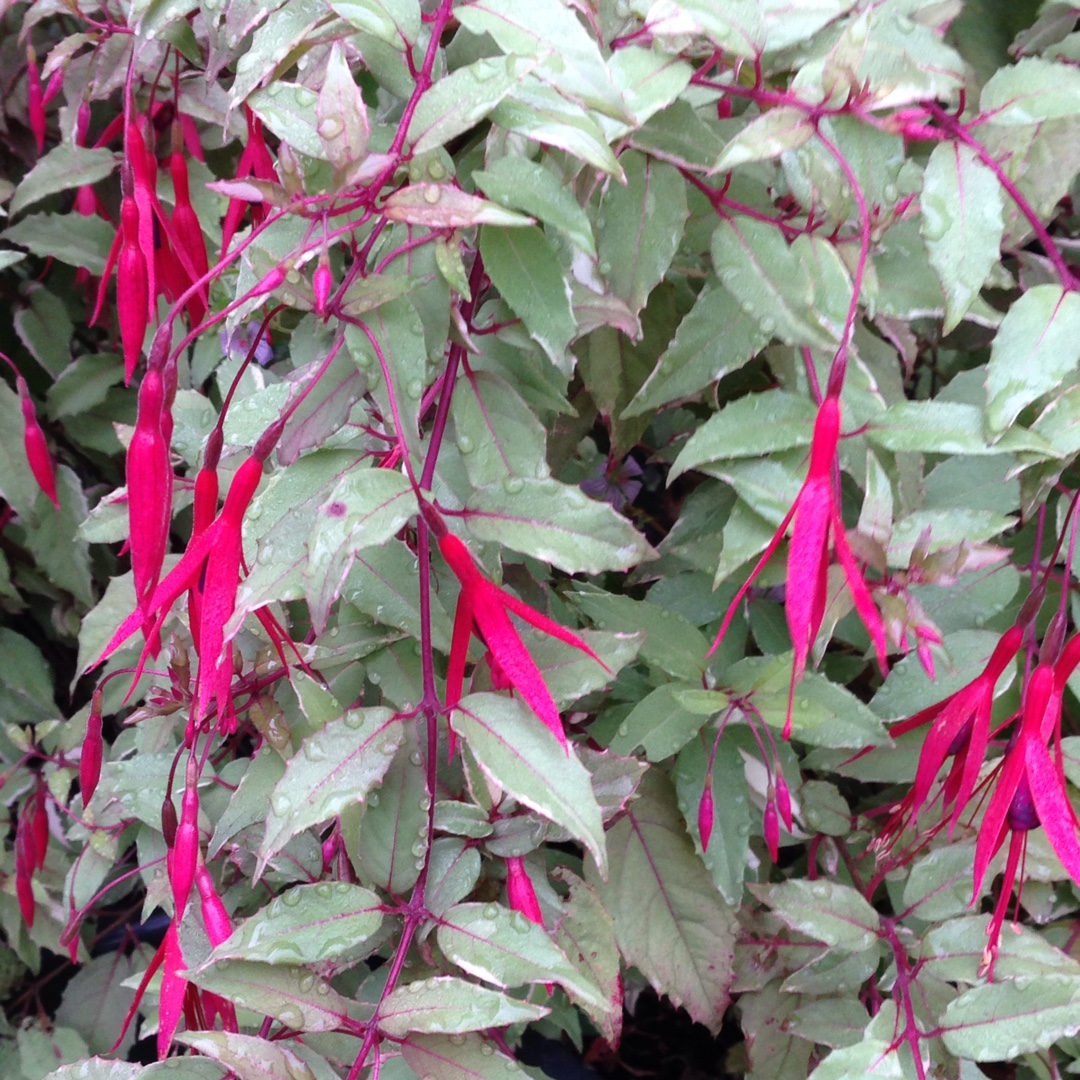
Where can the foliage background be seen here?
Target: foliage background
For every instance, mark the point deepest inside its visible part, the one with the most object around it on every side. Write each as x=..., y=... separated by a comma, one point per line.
x=592, y=265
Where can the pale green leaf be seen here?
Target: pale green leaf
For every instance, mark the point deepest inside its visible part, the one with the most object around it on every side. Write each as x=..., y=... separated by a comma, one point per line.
x=962, y=224
x=517, y=752
x=523, y=266
x=450, y=1057
x=447, y=1005
x=283, y=31
x=309, y=923
x=462, y=99
x=826, y=910
x=1031, y=91
x=337, y=767
x=659, y=723
x=557, y=523
x=64, y=167
x=290, y=994
x=642, y=224
x=288, y=110
x=394, y=22
x=1036, y=346
x=669, y=919
x=524, y=185
x=341, y=113
x=248, y=1056
x=766, y=137
x=502, y=947
x=74, y=239
x=748, y=427
x=444, y=206
x=1000, y=1021
x=715, y=337
x=766, y=276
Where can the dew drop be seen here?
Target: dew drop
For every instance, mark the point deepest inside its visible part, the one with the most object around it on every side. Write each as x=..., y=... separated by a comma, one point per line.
x=418, y=849
x=436, y=170
x=465, y=444
x=513, y=484
x=457, y=1039
x=330, y=127
x=354, y=719
x=487, y=1049
x=415, y=389
x=491, y=911
x=313, y=751
x=432, y=194
x=281, y=805
x=373, y=799
x=416, y=758
x=307, y=983
x=291, y=898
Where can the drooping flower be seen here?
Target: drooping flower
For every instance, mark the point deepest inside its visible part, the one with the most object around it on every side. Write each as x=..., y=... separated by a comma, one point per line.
x=960, y=729
x=92, y=750
x=189, y=235
x=149, y=484
x=483, y=608
x=520, y=891
x=35, y=98
x=255, y=160
x=37, y=450
x=817, y=526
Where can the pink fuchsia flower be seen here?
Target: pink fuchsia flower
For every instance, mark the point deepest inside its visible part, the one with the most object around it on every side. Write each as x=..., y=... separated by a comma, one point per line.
x=483, y=608
x=960, y=729
x=1030, y=789
x=520, y=891
x=816, y=526
x=37, y=449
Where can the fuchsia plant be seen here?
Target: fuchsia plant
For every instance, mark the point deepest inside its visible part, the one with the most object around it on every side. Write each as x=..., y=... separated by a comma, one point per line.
x=814, y=261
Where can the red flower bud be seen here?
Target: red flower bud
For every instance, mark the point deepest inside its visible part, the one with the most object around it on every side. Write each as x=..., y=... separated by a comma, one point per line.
x=520, y=891
x=322, y=283
x=92, y=748
x=173, y=989
x=189, y=234
x=706, y=813
x=132, y=286
x=35, y=98
x=37, y=451
x=215, y=917
x=771, y=827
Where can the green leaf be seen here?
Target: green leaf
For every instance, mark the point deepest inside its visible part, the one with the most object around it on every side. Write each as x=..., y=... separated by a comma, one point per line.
x=669, y=919
x=95, y=1068
x=444, y=206
x=825, y=910
x=551, y=33
x=453, y=870
x=95, y=1000
x=503, y=948
x=72, y=238
x=309, y=923
x=248, y=1056
x=766, y=276
x=679, y=136
x=947, y=427
x=248, y=803
x=557, y=523
x=1002, y=1020
x=382, y=847
x=825, y=714
x=11, y=258
x=54, y=541
x=517, y=752
x=727, y=854
x=26, y=682
x=1037, y=345
x=954, y=951
x=749, y=427
x=766, y=137
x=283, y=31
x=290, y=994
x=671, y=642
x=659, y=723
x=447, y=1005
x=497, y=434
x=523, y=266
x=366, y=508
x=642, y=224
x=341, y=113
x=288, y=110
x=394, y=22
x=962, y=224
x=84, y=384
x=45, y=329
x=833, y=1022
x=464, y=98
x=648, y=81
x=1031, y=91
x=868, y=1058
x=449, y=1057
x=541, y=114
x=586, y=933
x=337, y=767
x=524, y=185
x=64, y=167
x=716, y=337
